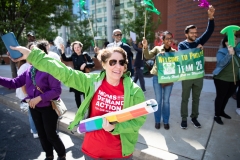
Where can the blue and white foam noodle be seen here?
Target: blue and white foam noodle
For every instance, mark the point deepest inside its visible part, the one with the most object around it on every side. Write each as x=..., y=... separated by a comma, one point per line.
x=58, y=42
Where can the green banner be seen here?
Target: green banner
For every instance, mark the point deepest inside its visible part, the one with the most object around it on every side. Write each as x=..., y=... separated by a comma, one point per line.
x=181, y=65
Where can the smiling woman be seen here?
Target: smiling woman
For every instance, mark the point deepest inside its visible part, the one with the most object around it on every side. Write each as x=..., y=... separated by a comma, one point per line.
x=114, y=61
x=109, y=91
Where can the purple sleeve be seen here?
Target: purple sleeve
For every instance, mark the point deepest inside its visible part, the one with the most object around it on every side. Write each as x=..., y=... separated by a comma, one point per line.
x=14, y=82
x=55, y=89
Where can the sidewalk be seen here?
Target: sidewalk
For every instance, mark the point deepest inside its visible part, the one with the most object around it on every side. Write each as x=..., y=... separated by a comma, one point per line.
x=211, y=142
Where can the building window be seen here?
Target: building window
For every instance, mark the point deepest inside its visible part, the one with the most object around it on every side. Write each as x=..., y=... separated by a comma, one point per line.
x=122, y=5
x=104, y=9
x=99, y=19
x=99, y=10
x=99, y=1
x=129, y=4
x=105, y=19
x=93, y=11
x=93, y=2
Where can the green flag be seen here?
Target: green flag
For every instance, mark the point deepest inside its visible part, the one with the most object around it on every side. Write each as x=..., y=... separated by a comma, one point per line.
x=150, y=4
x=124, y=40
x=92, y=43
x=82, y=6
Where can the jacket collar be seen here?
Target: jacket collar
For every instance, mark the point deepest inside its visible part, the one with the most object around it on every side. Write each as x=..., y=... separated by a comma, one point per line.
x=162, y=49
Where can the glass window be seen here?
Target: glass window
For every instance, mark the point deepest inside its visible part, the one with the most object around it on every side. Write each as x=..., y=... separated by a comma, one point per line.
x=99, y=1
x=105, y=19
x=122, y=5
x=129, y=4
x=104, y=9
x=99, y=19
x=93, y=11
x=99, y=10
x=93, y=2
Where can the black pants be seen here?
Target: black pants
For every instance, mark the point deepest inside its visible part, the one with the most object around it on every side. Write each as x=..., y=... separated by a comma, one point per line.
x=45, y=119
x=78, y=97
x=224, y=91
x=139, y=75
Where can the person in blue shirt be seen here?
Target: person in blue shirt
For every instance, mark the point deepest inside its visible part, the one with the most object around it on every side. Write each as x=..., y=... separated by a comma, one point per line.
x=194, y=85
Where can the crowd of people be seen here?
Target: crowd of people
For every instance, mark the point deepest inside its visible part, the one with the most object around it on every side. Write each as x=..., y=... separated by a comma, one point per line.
x=41, y=67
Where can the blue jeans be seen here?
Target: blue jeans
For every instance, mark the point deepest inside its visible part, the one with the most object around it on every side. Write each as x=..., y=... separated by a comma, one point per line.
x=32, y=125
x=162, y=95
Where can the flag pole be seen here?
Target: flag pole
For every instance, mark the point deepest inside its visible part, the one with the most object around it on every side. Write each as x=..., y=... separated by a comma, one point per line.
x=92, y=31
x=145, y=21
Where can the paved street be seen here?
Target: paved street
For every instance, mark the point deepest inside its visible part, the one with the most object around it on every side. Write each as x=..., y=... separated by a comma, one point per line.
x=17, y=143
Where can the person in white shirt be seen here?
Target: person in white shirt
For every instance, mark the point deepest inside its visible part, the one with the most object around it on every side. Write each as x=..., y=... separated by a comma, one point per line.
x=21, y=94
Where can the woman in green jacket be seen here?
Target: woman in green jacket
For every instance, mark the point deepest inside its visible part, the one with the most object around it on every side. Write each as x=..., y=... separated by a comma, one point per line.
x=108, y=91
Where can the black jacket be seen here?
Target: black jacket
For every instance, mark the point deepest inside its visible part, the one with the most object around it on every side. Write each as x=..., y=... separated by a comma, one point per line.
x=78, y=60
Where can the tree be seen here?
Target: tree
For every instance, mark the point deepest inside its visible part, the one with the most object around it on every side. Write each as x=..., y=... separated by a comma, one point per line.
x=136, y=23
x=81, y=31
x=21, y=16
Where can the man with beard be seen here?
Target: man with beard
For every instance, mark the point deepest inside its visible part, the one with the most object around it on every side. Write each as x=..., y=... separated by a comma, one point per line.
x=194, y=84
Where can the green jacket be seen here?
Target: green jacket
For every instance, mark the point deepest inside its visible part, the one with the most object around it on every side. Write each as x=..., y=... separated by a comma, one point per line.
x=150, y=54
x=89, y=83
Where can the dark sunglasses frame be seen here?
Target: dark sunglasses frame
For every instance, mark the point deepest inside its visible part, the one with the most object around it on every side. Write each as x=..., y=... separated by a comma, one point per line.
x=117, y=34
x=113, y=62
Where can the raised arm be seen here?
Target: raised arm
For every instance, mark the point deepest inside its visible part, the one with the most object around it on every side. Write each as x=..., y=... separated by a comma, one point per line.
x=148, y=54
x=210, y=28
x=67, y=59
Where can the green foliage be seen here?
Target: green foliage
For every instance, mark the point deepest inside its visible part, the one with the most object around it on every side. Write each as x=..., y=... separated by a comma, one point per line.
x=21, y=16
x=81, y=31
x=136, y=23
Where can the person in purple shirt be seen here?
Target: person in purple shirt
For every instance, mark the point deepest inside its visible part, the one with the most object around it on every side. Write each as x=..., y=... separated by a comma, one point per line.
x=194, y=84
x=44, y=117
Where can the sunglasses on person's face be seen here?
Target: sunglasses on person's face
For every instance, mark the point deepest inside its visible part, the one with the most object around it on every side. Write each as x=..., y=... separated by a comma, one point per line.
x=117, y=35
x=113, y=62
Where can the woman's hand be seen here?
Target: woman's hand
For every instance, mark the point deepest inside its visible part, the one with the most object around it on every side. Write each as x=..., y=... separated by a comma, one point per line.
x=230, y=50
x=145, y=43
x=83, y=66
x=107, y=126
x=25, y=51
x=33, y=102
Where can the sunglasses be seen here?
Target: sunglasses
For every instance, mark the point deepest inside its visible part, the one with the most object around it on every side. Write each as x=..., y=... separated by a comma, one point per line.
x=113, y=62
x=117, y=34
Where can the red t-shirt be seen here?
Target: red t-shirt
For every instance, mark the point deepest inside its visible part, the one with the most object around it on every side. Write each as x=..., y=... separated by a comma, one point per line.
x=102, y=144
